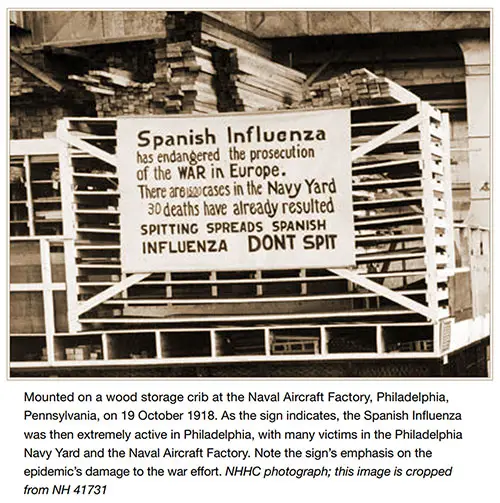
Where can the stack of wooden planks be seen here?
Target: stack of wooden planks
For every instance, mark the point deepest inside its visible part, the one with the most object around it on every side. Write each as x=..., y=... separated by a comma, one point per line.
x=104, y=81
x=243, y=76
x=249, y=82
x=116, y=93
x=184, y=78
x=204, y=65
x=133, y=100
x=207, y=29
x=357, y=88
x=18, y=87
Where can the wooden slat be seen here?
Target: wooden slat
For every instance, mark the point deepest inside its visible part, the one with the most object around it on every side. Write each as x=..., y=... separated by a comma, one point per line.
x=363, y=240
x=95, y=175
x=389, y=256
x=384, y=183
x=249, y=317
x=389, y=221
x=384, y=166
x=98, y=247
x=222, y=300
x=382, y=203
x=101, y=230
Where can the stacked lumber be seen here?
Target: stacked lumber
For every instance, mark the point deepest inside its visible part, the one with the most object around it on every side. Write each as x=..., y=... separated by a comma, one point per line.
x=248, y=82
x=116, y=93
x=184, y=78
x=104, y=81
x=208, y=30
x=202, y=66
x=242, y=75
x=357, y=88
x=133, y=100
x=18, y=87
x=135, y=57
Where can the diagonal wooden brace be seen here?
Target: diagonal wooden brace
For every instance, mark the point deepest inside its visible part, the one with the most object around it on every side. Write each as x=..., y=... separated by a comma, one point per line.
x=85, y=146
x=110, y=292
x=36, y=72
x=387, y=136
x=383, y=291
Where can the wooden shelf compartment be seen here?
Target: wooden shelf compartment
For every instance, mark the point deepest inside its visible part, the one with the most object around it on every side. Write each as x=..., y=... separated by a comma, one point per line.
x=78, y=348
x=131, y=346
x=295, y=341
x=239, y=342
x=351, y=339
x=185, y=343
x=30, y=348
x=408, y=339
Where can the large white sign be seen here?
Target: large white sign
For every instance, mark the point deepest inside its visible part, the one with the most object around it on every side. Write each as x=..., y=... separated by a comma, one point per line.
x=236, y=191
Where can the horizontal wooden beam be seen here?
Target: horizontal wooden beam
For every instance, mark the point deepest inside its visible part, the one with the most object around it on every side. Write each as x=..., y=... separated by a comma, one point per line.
x=36, y=287
x=232, y=318
x=232, y=300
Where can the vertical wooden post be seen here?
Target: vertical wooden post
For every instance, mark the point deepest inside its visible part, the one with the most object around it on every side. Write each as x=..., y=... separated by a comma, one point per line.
x=105, y=346
x=213, y=343
x=213, y=287
x=448, y=198
x=48, y=299
x=429, y=216
x=168, y=289
x=303, y=286
x=69, y=230
x=29, y=195
x=380, y=340
x=159, y=351
x=259, y=290
x=324, y=340
x=436, y=338
x=267, y=341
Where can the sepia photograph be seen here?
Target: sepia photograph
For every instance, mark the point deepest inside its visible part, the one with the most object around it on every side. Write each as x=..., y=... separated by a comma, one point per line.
x=249, y=194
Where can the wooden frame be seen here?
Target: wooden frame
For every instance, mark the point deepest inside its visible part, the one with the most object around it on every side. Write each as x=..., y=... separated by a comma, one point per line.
x=403, y=209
